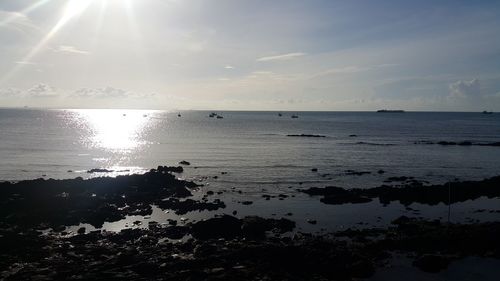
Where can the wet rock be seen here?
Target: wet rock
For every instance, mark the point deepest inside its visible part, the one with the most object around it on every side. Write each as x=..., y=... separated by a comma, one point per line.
x=99, y=170
x=432, y=263
x=356, y=173
x=362, y=268
x=224, y=227
x=310, y=221
x=81, y=230
x=336, y=195
x=175, y=232
x=254, y=227
x=167, y=169
x=401, y=220
x=307, y=136
x=189, y=205
x=402, y=178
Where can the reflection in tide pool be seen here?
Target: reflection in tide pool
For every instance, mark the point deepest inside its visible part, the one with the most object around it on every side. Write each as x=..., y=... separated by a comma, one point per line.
x=114, y=130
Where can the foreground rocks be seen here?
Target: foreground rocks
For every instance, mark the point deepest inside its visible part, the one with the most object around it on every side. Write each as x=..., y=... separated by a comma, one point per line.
x=54, y=203
x=228, y=248
x=223, y=247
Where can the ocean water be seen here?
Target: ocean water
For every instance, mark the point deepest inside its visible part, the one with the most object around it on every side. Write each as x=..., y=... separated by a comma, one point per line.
x=253, y=147
x=254, y=153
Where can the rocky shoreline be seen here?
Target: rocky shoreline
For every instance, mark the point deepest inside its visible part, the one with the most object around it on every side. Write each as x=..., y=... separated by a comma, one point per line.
x=410, y=191
x=223, y=247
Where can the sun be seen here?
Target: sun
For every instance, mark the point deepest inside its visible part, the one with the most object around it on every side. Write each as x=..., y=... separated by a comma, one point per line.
x=70, y=11
x=74, y=8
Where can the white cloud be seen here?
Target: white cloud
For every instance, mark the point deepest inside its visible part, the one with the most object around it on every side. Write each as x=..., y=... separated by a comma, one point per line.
x=108, y=92
x=41, y=91
x=10, y=92
x=352, y=69
x=70, y=50
x=26, y=63
x=282, y=57
x=16, y=20
x=464, y=89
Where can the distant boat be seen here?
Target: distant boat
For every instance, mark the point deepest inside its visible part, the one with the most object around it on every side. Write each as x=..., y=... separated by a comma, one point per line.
x=279, y=114
x=487, y=112
x=219, y=117
x=212, y=115
x=295, y=116
x=390, y=111
x=179, y=115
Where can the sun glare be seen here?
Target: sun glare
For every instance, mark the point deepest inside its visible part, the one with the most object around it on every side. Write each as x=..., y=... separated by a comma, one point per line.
x=75, y=7
x=114, y=130
x=70, y=11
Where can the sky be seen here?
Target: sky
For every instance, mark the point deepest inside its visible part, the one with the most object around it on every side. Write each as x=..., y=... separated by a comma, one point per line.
x=251, y=55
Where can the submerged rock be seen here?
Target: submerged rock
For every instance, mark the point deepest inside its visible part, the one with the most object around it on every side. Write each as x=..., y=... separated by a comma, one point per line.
x=307, y=136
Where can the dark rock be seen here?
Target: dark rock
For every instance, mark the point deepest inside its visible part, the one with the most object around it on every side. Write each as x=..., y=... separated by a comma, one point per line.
x=167, y=169
x=98, y=170
x=432, y=263
x=224, y=227
x=183, y=162
x=356, y=173
x=314, y=169
x=307, y=136
x=189, y=205
x=362, y=268
x=175, y=232
x=81, y=230
x=336, y=195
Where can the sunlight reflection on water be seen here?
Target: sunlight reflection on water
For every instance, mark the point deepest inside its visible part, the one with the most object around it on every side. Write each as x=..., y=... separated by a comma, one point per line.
x=119, y=131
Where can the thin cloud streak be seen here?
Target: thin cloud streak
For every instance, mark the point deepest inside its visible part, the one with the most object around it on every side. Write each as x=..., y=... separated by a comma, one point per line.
x=282, y=57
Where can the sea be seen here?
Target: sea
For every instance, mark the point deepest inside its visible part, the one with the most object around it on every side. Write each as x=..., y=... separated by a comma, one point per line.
x=247, y=154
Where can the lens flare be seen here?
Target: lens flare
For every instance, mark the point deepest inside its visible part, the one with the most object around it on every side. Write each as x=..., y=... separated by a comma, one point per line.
x=72, y=9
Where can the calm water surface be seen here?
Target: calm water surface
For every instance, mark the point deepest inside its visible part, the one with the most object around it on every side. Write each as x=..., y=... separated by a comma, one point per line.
x=254, y=150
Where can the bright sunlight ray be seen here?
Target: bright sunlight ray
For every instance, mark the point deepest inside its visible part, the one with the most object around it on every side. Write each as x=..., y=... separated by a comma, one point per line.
x=72, y=9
